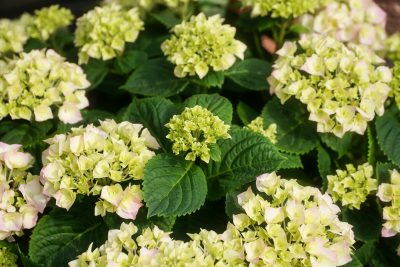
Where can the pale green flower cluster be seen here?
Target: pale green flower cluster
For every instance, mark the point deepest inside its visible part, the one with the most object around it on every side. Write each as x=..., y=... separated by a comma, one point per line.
x=145, y=5
x=391, y=214
x=257, y=125
x=47, y=21
x=283, y=8
x=194, y=130
x=200, y=44
x=395, y=84
x=21, y=197
x=293, y=226
x=94, y=161
x=342, y=86
x=392, y=47
x=352, y=186
x=7, y=258
x=102, y=32
x=354, y=21
x=35, y=83
x=13, y=36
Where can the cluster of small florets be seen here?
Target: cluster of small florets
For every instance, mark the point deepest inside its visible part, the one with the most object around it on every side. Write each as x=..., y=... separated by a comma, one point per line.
x=395, y=84
x=390, y=192
x=102, y=32
x=21, y=197
x=257, y=125
x=36, y=82
x=352, y=186
x=13, y=36
x=283, y=8
x=202, y=43
x=194, y=130
x=342, y=86
x=145, y=5
x=354, y=21
x=293, y=226
x=392, y=47
x=94, y=161
x=47, y=21
x=7, y=258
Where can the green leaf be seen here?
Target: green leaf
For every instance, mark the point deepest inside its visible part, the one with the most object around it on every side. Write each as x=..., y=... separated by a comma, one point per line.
x=173, y=186
x=355, y=262
x=26, y=134
x=155, y=78
x=215, y=152
x=32, y=44
x=246, y=113
x=339, y=145
x=61, y=236
x=129, y=61
x=167, y=18
x=232, y=206
x=218, y=105
x=366, y=224
x=250, y=74
x=212, y=79
x=371, y=146
x=243, y=157
x=324, y=165
x=388, y=135
x=382, y=172
x=295, y=133
x=96, y=70
x=153, y=113
x=365, y=252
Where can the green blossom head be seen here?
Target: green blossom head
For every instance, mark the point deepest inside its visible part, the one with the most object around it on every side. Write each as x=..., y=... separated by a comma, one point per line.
x=102, y=32
x=48, y=20
x=95, y=161
x=283, y=8
x=352, y=186
x=342, y=86
x=350, y=21
x=390, y=193
x=36, y=84
x=392, y=47
x=13, y=36
x=201, y=44
x=257, y=125
x=194, y=130
x=7, y=258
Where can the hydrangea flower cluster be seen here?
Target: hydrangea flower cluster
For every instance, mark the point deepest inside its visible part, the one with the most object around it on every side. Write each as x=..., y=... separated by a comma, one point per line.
x=257, y=125
x=7, y=258
x=13, y=36
x=352, y=186
x=392, y=47
x=21, y=197
x=35, y=82
x=293, y=226
x=395, y=84
x=94, y=161
x=342, y=86
x=47, y=20
x=102, y=32
x=200, y=44
x=194, y=130
x=391, y=193
x=145, y=5
x=354, y=21
x=283, y=8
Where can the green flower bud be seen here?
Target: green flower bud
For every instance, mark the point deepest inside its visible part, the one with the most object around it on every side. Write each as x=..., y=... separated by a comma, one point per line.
x=257, y=125
x=7, y=258
x=194, y=130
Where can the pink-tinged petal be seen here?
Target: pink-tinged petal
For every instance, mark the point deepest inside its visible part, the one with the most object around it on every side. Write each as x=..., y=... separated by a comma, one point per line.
x=69, y=113
x=4, y=148
x=11, y=221
x=129, y=206
x=388, y=232
x=112, y=194
x=33, y=194
x=30, y=216
x=17, y=160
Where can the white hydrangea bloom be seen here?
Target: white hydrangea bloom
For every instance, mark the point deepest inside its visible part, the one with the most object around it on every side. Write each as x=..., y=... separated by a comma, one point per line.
x=94, y=161
x=102, y=32
x=354, y=21
x=21, y=197
x=13, y=36
x=201, y=44
x=34, y=84
x=342, y=86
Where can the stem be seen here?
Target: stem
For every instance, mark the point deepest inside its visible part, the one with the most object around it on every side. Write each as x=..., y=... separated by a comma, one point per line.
x=258, y=45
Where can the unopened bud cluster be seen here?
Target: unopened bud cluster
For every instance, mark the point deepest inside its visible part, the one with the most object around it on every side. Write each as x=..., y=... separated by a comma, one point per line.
x=257, y=125
x=95, y=161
